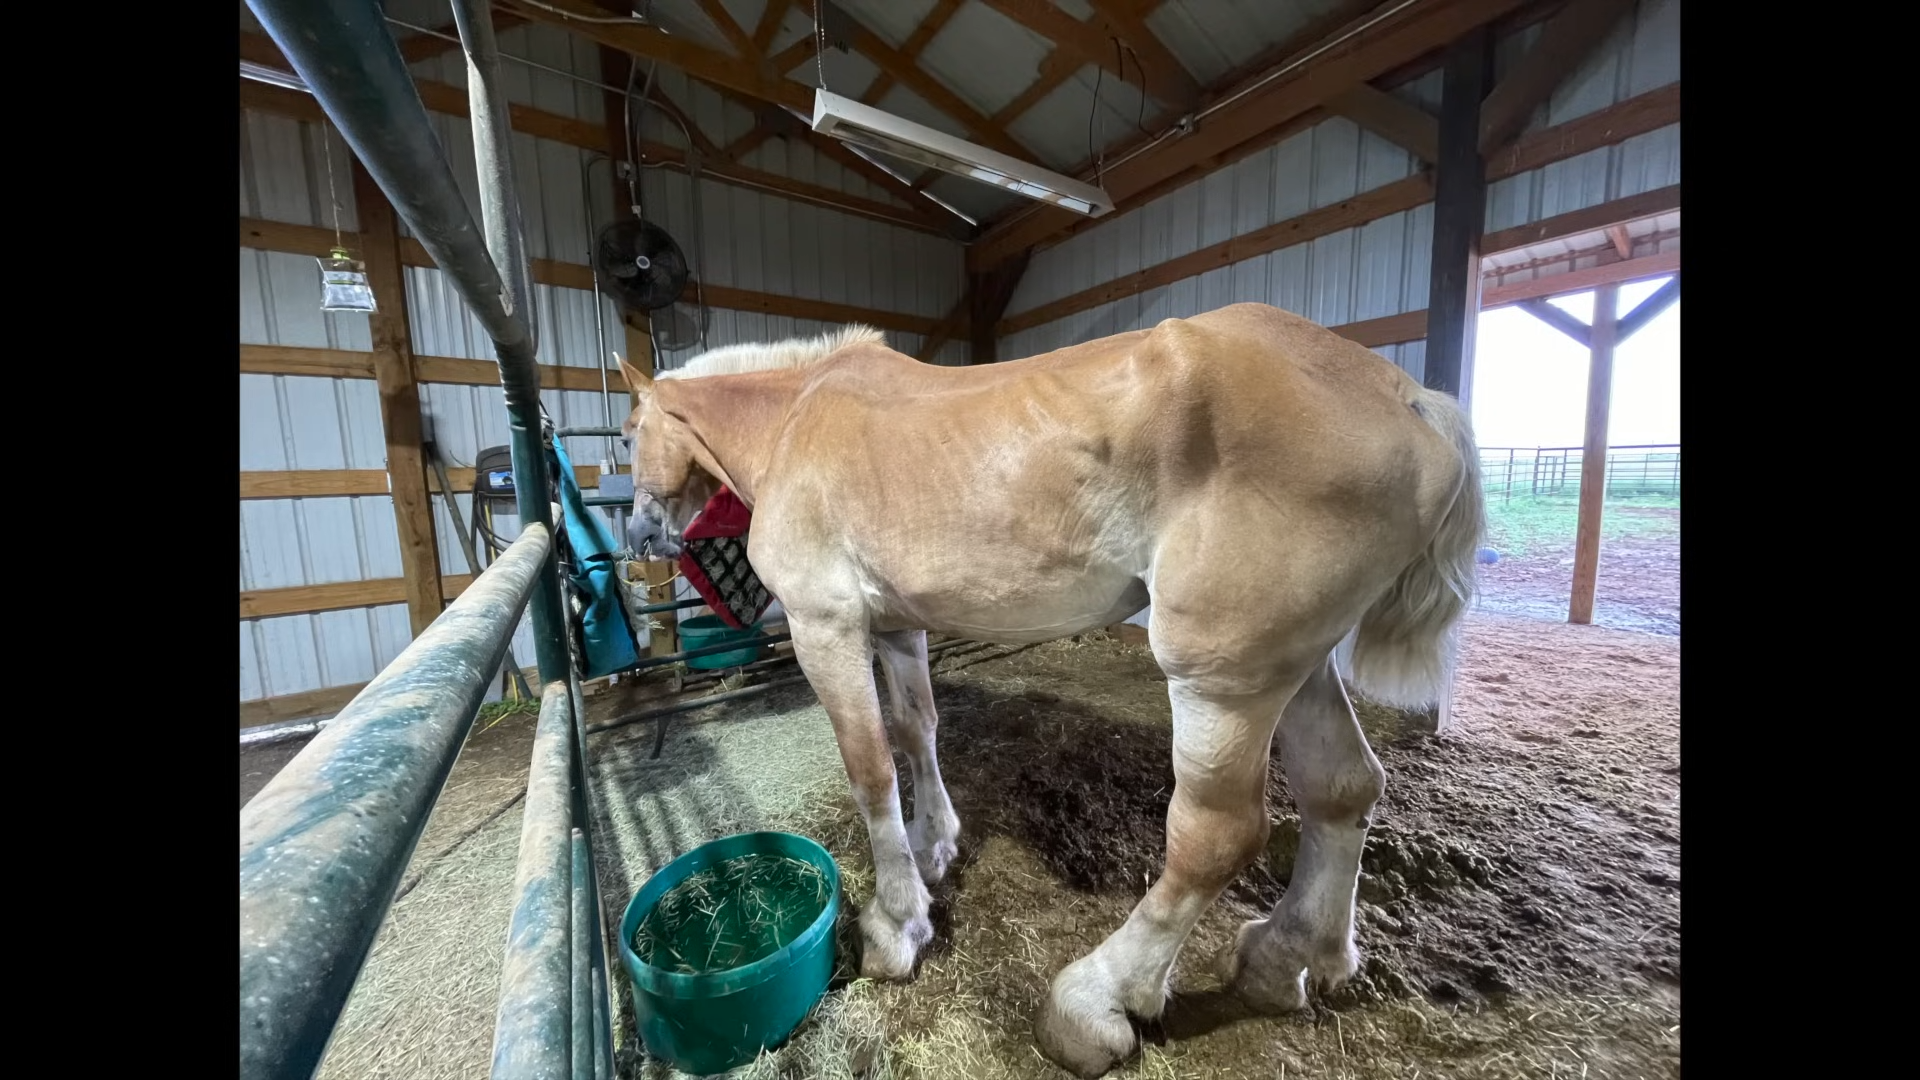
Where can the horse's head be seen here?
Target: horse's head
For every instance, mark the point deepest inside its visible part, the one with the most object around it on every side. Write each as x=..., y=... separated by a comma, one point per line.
x=669, y=486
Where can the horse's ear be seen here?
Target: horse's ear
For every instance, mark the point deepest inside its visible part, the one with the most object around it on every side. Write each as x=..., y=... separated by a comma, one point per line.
x=637, y=380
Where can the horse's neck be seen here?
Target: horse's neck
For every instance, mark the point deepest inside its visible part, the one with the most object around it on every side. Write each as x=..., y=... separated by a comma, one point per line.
x=734, y=420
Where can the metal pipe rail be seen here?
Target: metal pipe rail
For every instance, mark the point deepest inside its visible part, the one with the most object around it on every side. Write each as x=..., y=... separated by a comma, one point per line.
x=346, y=56
x=324, y=845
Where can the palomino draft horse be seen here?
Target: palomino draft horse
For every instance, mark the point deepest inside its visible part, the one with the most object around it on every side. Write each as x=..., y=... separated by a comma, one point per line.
x=1268, y=486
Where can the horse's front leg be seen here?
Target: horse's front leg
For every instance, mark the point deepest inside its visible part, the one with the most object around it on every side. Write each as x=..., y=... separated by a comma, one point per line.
x=837, y=656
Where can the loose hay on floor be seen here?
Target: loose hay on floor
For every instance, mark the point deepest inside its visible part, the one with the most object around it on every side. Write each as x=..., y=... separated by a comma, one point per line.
x=1520, y=904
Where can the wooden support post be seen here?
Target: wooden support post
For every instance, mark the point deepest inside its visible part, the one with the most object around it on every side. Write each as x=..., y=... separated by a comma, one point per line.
x=1459, y=218
x=991, y=292
x=635, y=340
x=399, y=399
x=1593, y=456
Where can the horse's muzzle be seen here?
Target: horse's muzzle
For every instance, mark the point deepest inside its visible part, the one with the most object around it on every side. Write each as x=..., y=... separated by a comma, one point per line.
x=650, y=534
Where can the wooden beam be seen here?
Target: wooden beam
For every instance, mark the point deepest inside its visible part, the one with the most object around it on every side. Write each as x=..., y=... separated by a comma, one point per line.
x=399, y=399
x=426, y=46
x=1397, y=40
x=1593, y=456
x=1608, y=272
x=957, y=318
x=1346, y=214
x=1167, y=78
x=298, y=706
x=343, y=483
x=1055, y=70
x=723, y=21
x=290, y=360
x=1622, y=243
x=1403, y=124
x=339, y=596
x=1591, y=219
x=991, y=292
x=1648, y=310
x=1385, y=330
x=1559, y=320
x=651, y=43
x=1089, y=42
x=935, y=21
x=923, y=215
x=770, y=19
x=909, y=73
x=1369, y=206
x=1564, y=45
x=1459, y=217
x=315, y=240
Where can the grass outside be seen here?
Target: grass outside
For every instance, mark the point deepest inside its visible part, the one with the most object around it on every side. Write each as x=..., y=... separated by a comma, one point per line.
x=1523, y=526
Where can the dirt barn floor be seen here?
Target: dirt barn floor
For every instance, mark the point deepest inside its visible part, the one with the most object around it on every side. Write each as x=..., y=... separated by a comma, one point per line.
x=1520, y=902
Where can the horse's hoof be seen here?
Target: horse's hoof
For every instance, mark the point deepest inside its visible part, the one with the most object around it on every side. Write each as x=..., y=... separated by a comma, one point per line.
x=891, y=947
x=1082, y=1027
x=1086, y=1047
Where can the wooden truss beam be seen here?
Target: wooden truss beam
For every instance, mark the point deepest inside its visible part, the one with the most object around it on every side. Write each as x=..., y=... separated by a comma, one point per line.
x=1395, y=41
x=1565, y=43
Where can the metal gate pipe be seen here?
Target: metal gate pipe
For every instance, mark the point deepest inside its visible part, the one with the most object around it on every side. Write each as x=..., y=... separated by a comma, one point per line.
x=582, y=966
x=324, y=845
x=533, y=1031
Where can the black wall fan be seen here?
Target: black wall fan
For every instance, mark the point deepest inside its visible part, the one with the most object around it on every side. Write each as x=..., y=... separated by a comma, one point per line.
x=640, y=265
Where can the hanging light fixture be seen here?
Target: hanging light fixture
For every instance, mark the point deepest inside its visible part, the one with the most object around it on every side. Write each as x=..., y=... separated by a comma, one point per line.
x=862, y=125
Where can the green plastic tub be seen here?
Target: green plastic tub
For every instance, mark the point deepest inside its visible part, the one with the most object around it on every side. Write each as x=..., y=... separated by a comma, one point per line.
x=710, y=1023
x=704, y=630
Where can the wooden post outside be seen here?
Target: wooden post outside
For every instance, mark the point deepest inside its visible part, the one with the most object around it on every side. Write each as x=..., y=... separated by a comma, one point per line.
x=1593, y=457
x=399, y=399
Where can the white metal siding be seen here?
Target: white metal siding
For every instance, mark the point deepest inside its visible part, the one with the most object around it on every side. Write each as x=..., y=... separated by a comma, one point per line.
x=754, y=241
x=1377, y=269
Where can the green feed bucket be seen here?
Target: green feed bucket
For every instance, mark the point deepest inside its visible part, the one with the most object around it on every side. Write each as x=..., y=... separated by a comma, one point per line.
x=713, y=1021
x=704, y=630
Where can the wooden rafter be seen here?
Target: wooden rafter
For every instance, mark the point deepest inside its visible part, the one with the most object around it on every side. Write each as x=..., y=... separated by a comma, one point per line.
x=314, y=240
x=1397, y=40
x=1650, y=309
x=723, y=21
x=1564, y=44
x=939, y=217
x=911, y=48
x=1559, y=320
x=1089, y=42
x=770, y=20
x=1404, y=124
x=650, y=43
x=1167, y=78
x=1622, y=243
x=923, y=214
x=922, y=34
x=662, y=100
x=909, y=73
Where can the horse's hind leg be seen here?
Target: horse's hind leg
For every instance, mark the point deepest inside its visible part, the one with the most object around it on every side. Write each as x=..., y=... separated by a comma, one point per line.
x=935, y=827
x=1216, y=826
x=1335, y=781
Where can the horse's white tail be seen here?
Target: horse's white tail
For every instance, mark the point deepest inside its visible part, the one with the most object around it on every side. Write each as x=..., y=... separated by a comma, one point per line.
x=1404, y=652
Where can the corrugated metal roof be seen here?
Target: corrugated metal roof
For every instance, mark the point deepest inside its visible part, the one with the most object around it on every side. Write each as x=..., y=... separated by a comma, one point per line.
x=1057, y=126
x=892, y=21
x=1212, y=37
x=984, y=57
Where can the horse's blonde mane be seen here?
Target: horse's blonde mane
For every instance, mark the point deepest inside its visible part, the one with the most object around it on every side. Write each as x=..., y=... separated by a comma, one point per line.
x=767, y=356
